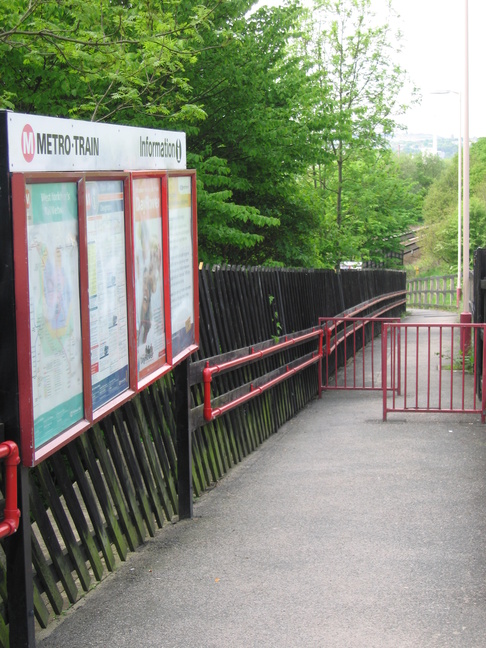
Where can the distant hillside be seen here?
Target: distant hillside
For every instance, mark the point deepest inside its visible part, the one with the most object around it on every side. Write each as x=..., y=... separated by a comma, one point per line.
x=423, y=143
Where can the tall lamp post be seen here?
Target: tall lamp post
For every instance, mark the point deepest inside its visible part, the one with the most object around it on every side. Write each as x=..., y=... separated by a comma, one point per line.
x=465, y=278
x=466, y=315
x=459, y=190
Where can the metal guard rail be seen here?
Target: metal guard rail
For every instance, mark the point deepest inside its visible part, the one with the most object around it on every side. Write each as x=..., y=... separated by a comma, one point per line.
x=356, y=323
x=210, y=414
x=400, y=300
x=11, y=514
x=351, y=315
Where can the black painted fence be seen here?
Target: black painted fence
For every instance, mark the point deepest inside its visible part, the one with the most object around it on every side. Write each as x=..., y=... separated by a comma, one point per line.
x=100, y=497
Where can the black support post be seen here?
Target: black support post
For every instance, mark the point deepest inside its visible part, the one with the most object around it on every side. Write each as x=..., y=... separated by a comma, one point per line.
x=18, y=550
x=184, y=440
x=20, y=587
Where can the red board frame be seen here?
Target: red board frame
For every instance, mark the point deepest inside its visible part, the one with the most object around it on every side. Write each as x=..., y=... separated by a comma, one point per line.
x=193, y=347
x=29, y=453
x=164, y=366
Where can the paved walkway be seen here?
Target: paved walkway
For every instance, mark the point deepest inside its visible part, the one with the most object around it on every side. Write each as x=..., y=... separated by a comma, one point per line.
x=341, y=531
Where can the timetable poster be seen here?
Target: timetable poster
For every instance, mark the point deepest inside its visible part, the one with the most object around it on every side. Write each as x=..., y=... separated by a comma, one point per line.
x=149, y=286
x=55, y=311
x=107, y=290
x=181, y=263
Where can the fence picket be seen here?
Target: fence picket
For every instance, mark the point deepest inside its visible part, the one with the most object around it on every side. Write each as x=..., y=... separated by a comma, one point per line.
x=91, y=503
x=127, y=470
x=432, y=292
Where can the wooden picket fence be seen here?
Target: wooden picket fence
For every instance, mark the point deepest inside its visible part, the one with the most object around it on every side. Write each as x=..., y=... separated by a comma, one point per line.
x=100, y=497
x=432, y=292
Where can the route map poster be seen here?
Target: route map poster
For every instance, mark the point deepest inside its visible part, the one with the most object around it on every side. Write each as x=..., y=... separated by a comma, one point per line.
x=149, y=285
x=55, y=312
x=181, y=263
x=107, y=290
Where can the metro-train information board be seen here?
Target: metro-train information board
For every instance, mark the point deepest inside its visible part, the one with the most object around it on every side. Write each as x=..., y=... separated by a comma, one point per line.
x=105, y=256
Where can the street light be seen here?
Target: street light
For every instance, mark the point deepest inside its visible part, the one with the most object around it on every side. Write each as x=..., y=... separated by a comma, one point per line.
x=466, y=315
x=459, y=189
x=465, y=274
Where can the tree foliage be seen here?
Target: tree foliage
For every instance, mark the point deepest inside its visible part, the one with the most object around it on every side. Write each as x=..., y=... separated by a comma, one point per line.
x=421, y=171
x=355, y=89
x=441, y=210
x=105, y=61
x=286, y=112
x=251, y=91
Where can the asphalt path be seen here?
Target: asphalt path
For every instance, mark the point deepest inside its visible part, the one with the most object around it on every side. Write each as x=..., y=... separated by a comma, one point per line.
x=340, y=531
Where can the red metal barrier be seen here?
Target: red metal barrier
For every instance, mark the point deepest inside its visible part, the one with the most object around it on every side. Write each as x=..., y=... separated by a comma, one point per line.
x=210, y=414
x=361, y=363
x=11, y=515
x=436, y=376
x=399, y=297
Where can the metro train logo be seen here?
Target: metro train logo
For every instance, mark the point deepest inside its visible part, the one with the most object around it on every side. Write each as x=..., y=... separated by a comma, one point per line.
x=28, y=143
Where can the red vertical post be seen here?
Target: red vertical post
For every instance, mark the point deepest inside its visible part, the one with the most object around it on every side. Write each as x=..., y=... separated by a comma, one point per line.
x=416, y=367
x=475, y=365
x=452, y=368
x=405, y=353
x=372, y=354
x=428, y=368
x=440, y=368
x=399, y=361
x=393, y=363
x=319, y=366
x=383, y=367
x=345, y=356
x=363, y=339
x=483, y=389
x=328, y=351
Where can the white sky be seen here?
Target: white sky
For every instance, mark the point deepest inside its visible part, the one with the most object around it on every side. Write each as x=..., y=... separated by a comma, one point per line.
x=434, y=55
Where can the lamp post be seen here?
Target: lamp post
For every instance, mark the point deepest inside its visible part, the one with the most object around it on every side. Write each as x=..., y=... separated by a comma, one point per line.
x=459, y=190
x=466, y=315
x=465, y=277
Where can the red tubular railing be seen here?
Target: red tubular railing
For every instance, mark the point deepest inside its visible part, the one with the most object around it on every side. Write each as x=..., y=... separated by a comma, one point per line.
x=11, y=514
x=335, y=337
x=434, y=387
x=210, y=414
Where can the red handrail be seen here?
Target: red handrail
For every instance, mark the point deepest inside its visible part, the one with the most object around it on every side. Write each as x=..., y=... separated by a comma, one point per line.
x=11, y=514
x=210, y=413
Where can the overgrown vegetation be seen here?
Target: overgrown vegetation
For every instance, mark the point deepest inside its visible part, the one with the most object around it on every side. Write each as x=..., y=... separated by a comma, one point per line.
x=440, y=213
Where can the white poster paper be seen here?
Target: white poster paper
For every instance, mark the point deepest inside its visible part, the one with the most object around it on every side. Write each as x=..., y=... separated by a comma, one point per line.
x=107, y=290
x=55, y=312
x=149, y=284
x=181, y=263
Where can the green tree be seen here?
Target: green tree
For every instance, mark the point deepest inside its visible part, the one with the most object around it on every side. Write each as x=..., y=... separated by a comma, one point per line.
x=356, y=85
x=103, y=61
x=378, y=206
x=420, y=170
x=440, y=210
x=251, y=90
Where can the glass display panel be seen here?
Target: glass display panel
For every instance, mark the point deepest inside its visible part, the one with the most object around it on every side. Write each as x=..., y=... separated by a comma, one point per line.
x=55, y=311
x=149, y=284
x=181, y=263
x=105, y=210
